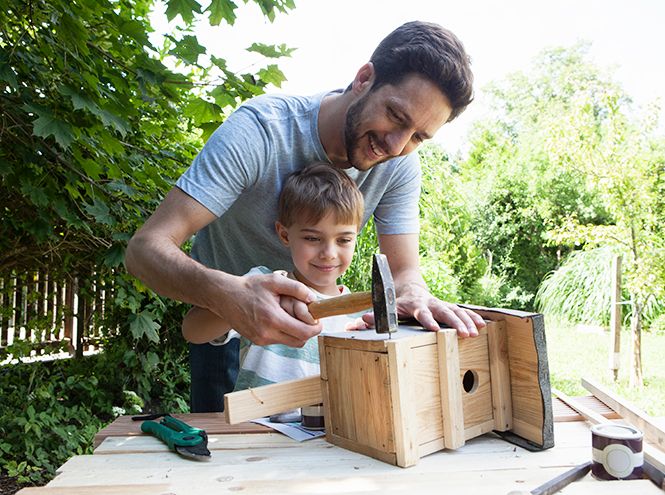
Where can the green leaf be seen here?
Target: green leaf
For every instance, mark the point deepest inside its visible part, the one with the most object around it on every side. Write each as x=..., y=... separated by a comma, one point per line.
x=6, y=72
x=271, y=51
x=144, y=325
x=188, y=49
x=208, y=128
x=186, y=9
x=120, y=124
x=119, y=186
x=49, y=125
x=135, y=29
x=223, y=98
x=114, y=256
x=221, y=9
x=37, y=194
x=101, y=212
x=203, y=111
x=273, y=75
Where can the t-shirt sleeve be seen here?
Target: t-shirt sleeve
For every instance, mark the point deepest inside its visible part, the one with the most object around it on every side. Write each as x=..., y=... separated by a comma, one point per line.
x=397, y=211
x=228, y=163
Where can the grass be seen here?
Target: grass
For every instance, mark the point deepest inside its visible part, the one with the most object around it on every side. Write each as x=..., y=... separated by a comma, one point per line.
x=575, y=353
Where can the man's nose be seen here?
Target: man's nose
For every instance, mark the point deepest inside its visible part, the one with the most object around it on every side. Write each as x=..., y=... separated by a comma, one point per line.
x=397, y=142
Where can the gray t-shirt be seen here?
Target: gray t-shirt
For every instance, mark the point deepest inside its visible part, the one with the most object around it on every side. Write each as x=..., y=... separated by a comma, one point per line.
x=238, y=176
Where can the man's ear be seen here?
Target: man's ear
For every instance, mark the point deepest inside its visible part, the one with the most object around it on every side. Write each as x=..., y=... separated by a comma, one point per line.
x=364, y=78
x=282, y=232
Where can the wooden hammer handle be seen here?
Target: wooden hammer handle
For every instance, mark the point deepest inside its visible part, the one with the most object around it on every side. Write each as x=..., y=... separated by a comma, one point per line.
x=342, y=305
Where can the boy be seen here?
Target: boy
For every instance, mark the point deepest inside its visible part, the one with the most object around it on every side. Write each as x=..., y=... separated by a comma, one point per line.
x=320, y=215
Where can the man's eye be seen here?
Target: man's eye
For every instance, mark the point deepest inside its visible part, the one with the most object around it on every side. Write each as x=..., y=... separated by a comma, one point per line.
x=394, y=115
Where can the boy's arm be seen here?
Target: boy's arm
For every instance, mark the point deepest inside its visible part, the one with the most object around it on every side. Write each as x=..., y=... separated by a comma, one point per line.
x=251, y=305
x=201, y=326
x=414, y=298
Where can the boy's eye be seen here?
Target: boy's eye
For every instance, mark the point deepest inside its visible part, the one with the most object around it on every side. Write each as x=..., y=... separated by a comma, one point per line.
x=311, y=239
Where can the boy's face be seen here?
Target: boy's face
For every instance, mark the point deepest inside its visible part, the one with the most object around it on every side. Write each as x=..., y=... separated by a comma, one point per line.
x=321, y=253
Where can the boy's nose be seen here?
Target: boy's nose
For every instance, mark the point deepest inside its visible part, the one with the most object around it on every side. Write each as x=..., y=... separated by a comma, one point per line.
x=327, y=252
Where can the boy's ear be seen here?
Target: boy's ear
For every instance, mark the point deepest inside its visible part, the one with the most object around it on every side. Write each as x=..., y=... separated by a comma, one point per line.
x=282, y=232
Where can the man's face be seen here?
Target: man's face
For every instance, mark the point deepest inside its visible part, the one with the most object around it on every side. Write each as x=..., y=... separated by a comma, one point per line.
x=393, y=120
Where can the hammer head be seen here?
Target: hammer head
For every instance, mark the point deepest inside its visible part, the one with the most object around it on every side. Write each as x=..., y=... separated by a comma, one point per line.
x=383, y=296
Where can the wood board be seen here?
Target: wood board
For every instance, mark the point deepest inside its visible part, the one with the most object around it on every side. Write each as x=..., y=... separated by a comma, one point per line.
x=484, y=465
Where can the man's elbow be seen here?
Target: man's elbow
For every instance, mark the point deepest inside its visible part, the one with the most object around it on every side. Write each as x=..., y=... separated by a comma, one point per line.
x=132, y=256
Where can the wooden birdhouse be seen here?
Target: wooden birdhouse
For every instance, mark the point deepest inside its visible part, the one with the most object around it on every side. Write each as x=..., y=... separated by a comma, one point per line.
x=402, y=397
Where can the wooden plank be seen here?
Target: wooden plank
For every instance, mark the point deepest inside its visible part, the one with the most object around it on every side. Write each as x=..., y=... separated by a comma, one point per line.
x=628, y=411
x=451, y=389
x=157, y=489
x=564, y=413
x=502, y=401
x=212, y=423
x=404, y=407
x=371, y=401
x=340, y=392
x=426, y=393
x=529, y=372
x=259, y=402
x=474, y=374
x=478, y=429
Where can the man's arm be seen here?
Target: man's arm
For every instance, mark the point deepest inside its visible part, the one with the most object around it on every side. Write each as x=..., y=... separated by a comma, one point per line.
x=250, y=305
x=413, y=296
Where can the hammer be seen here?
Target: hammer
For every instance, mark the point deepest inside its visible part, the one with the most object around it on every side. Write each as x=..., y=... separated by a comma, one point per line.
x=381, y=299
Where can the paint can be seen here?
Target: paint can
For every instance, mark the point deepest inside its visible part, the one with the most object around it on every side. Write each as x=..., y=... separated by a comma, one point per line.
x=616, y=452
x=312, y=417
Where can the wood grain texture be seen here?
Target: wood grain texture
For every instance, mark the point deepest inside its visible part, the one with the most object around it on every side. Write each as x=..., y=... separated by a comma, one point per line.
x=342, y=305
x=474, y=366
x=451, y=389
x=259, y=402
x=529, y=373
x=405, y=421
x=502, y=400
x=212, y=423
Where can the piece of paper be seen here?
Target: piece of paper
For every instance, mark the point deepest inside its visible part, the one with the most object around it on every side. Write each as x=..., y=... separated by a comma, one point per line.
x=292, y=430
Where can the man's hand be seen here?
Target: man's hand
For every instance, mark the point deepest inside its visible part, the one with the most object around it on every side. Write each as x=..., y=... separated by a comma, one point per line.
x=418, y=302
x=413, y=297
x=267, y=309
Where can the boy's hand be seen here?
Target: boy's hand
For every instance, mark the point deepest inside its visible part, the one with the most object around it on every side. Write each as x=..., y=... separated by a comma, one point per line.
x=359, y=324
x=297, y=309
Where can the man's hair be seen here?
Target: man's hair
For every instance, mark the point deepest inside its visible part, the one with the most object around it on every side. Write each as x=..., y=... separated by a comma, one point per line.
x=320, y=188
x=430, y=50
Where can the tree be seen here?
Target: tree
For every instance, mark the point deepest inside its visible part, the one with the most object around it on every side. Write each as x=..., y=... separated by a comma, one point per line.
x=623, y=158
x=96, y=129
x=515, y=191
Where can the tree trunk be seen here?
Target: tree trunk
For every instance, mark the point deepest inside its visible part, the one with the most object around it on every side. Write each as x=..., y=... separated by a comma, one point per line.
x=636, y=380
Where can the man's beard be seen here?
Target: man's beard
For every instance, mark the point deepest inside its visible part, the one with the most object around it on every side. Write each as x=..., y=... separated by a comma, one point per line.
x=352, y=135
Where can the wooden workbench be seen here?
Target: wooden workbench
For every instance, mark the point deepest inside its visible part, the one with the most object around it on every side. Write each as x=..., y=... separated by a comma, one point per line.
x=252, y=459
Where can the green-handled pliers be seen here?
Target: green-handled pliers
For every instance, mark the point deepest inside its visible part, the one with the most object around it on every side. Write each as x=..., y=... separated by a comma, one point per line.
x=180, y=437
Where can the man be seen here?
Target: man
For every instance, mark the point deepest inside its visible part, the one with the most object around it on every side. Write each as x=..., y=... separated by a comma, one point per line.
x=418, y=79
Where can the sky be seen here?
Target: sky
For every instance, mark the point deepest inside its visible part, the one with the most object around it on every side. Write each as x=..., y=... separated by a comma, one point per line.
x=334, y=38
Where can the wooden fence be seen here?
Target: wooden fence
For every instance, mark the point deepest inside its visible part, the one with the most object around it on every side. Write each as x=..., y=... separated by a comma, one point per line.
x=43, y=311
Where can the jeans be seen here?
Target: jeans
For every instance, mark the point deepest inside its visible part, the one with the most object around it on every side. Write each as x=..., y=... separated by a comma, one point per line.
x=214, y=369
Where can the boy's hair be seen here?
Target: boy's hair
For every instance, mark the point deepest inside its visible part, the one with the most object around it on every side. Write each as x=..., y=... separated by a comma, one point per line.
x=430, y=50
x=308, y=195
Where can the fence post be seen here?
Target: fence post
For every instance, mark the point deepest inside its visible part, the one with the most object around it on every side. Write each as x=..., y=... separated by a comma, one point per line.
x=615, y=318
